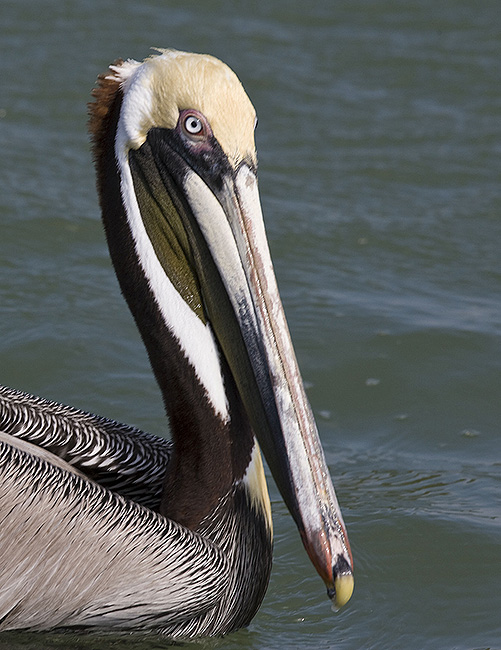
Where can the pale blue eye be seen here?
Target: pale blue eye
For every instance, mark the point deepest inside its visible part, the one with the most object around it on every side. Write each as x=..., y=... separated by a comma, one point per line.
x=193, y=125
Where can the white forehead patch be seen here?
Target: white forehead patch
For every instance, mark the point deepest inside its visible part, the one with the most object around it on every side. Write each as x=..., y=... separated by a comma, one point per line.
x=156, y=90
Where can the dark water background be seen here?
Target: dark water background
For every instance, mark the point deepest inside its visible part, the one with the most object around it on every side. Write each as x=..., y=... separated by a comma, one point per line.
x=379, y=142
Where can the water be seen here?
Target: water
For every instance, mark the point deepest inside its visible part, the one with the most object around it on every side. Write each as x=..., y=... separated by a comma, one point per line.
x=379, y=142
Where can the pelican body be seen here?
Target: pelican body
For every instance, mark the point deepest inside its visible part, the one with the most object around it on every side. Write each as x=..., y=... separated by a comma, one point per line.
x=105, y=526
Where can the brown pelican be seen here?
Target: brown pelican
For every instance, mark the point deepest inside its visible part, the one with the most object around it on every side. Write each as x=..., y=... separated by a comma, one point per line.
x=102, y=525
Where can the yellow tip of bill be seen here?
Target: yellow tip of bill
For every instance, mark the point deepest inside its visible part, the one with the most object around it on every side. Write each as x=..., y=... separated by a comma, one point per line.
x=343, y=588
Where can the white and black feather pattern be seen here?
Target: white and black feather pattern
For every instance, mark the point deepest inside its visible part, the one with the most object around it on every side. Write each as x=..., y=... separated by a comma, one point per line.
x=145, y=570
x=118, y=456
x=244, y=535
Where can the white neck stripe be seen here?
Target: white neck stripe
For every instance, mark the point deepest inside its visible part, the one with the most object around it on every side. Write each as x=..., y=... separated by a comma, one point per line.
x=195, y=338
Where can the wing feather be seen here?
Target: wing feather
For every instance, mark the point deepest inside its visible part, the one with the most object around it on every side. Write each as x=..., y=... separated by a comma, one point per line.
x=120, y=457
x=76, y=554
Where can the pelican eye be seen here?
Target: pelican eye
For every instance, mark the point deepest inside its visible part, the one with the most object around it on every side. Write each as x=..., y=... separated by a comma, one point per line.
x=193, y=125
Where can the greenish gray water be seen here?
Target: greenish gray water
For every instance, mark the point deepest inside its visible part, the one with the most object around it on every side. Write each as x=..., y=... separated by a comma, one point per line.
x=379, y=142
